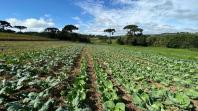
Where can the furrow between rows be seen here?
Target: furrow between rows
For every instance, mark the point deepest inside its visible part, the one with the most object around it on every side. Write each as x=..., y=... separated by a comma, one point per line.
x=94, y=97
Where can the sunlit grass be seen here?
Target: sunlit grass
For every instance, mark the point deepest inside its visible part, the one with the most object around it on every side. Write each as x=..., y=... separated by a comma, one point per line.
x=17, y=37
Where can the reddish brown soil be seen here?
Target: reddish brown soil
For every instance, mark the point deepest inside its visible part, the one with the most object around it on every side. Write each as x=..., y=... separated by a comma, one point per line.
x=195, y=103
x=94, y=98
x=159, y=86
x=5, y=76
x=52, y=72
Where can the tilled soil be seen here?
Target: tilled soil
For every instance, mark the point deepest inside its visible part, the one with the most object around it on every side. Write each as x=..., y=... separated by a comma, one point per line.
x=94, y=97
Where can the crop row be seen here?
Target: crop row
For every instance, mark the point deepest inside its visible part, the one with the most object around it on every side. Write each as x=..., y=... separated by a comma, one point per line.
x=152, y=85
x=58, y=79
x=98, y=78
x=28, y=81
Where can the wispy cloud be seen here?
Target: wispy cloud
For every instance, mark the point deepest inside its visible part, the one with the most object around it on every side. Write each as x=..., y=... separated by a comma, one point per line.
x=154, y=16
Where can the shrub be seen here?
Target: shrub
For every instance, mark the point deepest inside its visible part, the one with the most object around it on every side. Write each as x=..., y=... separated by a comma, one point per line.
x=177, y=40
x=136, y=41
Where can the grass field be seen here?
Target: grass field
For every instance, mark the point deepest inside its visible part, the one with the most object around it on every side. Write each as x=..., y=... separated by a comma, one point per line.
x=58, y=76
x=21, y=37
x=170, y=52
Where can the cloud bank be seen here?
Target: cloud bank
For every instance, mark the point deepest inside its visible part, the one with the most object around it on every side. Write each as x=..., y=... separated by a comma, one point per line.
x=32, y=24
x=154, y=16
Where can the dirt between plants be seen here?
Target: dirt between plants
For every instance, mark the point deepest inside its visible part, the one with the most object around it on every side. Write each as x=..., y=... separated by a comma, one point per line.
x=125, y=97
x=94, y=97
x=195, y=103
x=67, y=83
x=75, y=70
x=55, y=92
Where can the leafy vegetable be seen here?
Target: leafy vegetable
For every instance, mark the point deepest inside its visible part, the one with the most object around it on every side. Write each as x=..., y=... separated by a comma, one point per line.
x=180, y=100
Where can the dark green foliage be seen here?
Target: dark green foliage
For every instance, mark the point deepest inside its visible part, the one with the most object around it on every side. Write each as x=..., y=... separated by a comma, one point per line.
x=157, y=41
x=134, y=36
x=132, y=29
x=69, y=28
x=63, y=36
x=136, y=41
x=177, y=40
x=120, y=41
x=111, y=32
x=141, y=41
x=4, y=24
x=73, y=37
x=7, y=31
x=20, y=28
x=51, y=30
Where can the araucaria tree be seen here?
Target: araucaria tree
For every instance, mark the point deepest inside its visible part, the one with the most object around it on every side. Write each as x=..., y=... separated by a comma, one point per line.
x=132, y=29
x=20, y=28
x=4, y=24
x=69, y=28
x=111, y=32
x=51, y=30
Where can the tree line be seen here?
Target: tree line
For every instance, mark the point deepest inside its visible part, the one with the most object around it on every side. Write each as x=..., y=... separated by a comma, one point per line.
x=52, y=32
x=135, y=37
x=174, y=40
x=67, y=32
x=4, y=25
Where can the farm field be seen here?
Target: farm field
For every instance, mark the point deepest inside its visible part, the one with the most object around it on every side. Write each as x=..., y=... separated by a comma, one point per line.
x=61, y=76
x=21, y=37
x=15, y=47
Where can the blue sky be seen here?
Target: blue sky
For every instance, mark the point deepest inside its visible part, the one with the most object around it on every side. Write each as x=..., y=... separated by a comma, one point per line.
x=93, y=16
x=60, y=11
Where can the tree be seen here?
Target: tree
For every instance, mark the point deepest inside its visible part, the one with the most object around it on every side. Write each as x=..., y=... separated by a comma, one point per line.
x=69, y=28
x=131, y=29
x=20, y=27
x=4, y=24
x=51, y=30
x=111, y=32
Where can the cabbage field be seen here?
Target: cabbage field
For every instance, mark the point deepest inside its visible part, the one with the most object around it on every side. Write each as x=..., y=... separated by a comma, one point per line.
x=81, y=77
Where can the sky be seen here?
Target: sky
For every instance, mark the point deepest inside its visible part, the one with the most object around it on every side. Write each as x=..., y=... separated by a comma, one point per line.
x=93, y=16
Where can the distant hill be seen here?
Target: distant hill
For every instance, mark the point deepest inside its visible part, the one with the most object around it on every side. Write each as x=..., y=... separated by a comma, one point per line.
x=174, y=34
x=22, y=37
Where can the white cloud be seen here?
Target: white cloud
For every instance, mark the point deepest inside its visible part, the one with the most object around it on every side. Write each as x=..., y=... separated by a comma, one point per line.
x=32, y=24
x=154, y=16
